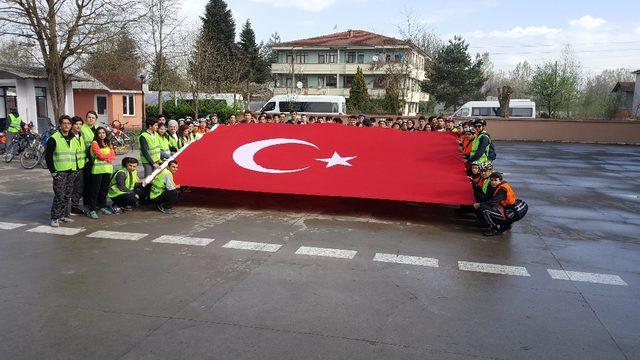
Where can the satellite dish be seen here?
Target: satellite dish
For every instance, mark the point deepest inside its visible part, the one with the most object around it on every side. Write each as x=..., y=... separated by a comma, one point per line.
x=375, y=58
x=299, y=84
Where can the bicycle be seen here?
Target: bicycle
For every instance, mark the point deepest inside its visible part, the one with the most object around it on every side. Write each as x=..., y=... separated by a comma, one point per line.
x=34, y=154
x=18, y=144
x=122, y=140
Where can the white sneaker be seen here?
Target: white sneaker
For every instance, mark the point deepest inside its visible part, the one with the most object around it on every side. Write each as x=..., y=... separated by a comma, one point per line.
x=66, y=219
x=54, y=223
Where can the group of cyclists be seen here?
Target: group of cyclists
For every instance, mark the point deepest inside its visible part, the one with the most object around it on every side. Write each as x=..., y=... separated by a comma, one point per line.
x=80, y=157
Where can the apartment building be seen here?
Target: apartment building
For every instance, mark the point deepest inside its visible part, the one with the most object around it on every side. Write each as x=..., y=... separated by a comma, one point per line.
x=326, y=65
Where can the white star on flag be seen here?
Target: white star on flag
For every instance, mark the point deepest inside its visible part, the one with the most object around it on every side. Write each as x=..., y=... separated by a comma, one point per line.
x=336, y=159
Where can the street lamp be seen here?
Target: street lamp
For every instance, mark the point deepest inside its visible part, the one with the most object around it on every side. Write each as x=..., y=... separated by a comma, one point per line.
x=144, y=110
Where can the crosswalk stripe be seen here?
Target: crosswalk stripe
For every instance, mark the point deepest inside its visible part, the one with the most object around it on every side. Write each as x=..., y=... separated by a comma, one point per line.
x=103, y=234
x=406, y=259
x=44, y=229
x=183, y=240
x=250, y=245
x=326, y=252
x=10, y=226
x=493, y=268
x=606, y=279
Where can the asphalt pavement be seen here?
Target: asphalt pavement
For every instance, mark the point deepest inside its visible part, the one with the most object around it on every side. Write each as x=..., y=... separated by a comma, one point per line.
x=253, y=276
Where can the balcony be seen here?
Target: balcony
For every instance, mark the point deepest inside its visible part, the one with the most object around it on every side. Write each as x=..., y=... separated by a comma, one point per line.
x=416, y=96
x=320, y=69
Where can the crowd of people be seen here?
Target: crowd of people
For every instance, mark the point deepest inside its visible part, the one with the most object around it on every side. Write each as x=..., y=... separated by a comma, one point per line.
x=81, y=161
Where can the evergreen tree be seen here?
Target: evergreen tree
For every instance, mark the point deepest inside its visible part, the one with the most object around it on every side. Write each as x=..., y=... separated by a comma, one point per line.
x=454, y=78
x=249, y=50
x=359, y=101
x=219, y=28
x=118, y=56
x=163, y=75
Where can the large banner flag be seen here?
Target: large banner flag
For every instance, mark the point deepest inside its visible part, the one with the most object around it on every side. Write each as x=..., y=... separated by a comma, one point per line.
x=328, y=160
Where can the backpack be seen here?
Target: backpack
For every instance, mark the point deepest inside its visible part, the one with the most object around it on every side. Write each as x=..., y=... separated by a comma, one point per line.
x=516, y=211
x=492, y=152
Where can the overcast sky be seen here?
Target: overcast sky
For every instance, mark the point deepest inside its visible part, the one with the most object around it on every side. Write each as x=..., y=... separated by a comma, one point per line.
x=604, y=34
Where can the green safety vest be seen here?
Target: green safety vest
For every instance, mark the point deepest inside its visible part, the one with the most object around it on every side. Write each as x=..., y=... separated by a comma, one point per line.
x=64, y=156
x=164, y=143
x=485, y=185
x=153, y=144
x=14, y=124
x=81, y=151
x=158, y=185
x=474, y=147
x=173, y=142
x=182, y=142
x=129, y=182
x=100, y=166
x=192, y=136
x=88, y=133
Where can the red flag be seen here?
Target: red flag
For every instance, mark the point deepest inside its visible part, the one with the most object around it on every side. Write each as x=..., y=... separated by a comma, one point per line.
x=328, y=160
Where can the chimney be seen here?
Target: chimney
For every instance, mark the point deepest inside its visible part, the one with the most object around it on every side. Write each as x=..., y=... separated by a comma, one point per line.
x=350, y=33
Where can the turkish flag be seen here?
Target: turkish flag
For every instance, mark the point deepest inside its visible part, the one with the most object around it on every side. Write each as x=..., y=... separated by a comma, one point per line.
x=328, y=160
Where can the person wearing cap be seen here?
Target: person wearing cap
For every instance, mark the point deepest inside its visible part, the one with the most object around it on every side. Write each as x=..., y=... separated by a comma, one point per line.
x=492, y=210
x=481, y=145
x=481, y=184
x=202, y=128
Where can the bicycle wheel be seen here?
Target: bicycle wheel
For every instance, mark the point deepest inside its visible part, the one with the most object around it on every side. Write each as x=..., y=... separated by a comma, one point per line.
x=119, y=146
x=30, y=158
x=9, y=154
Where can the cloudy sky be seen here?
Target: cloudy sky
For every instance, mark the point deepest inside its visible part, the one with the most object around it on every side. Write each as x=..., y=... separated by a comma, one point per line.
x=603, y=34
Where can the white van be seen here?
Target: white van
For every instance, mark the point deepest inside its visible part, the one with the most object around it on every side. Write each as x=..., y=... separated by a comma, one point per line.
x=306, y=104
x=518, y=108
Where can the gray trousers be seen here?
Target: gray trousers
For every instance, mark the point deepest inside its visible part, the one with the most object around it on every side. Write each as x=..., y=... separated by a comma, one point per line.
x=62, y=189
x=148, y=169
x=78, y=189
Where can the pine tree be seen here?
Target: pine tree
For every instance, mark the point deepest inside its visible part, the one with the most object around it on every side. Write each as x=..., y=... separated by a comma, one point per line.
x=359, y=101
x=218, y=27
x=453, y=77
x=251, y=52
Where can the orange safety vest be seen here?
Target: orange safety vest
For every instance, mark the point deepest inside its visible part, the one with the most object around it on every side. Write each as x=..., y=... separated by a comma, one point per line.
x=467, y=144
x=511, y=196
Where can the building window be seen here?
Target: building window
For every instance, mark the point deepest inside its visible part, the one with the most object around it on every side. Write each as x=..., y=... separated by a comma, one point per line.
x=331, y=58
x=289, y=58
x=128, y=107
x=321, y=58
x=347, y=80
x=398, y=57
x=379, y=82
x=301, y=58
x=351, y=57
x=331, y=81
x=41, y=102
x=360, y=58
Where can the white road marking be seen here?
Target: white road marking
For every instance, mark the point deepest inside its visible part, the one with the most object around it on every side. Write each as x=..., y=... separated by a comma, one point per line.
x=250, y=245
x=9, y=226
x=493, y=268
x=103, y=234
x=56, y=230
x=587, y=277
x=335, y=253
x=183, y=240
x=405, y=259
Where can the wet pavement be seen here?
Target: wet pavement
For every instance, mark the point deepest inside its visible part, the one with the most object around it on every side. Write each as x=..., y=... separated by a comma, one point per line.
x=321, y=278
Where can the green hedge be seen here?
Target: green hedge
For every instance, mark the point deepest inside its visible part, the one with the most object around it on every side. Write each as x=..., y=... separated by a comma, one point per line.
x=184, y=108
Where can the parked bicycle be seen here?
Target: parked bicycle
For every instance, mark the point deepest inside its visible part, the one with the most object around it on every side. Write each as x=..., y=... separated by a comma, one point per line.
x=34, y=154
x=122, y=140
x=19, y=143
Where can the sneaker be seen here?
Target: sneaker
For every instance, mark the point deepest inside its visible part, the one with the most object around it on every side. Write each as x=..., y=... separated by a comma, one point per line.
x=169, y=211
x=76, y=211
x=66, y=219
x=116, y=209
x=55, y=223
x=106, y=211
x=92, y=214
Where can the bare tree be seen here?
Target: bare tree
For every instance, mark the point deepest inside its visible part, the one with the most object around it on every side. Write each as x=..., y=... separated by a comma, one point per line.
x=504, y=97
x=413, y=29
x=161, y=29
x=64, y=30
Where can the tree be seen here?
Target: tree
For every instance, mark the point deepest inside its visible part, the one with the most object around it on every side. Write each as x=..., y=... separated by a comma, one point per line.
x=359, y=101
x=251, y=52
x=161, y=29
x=218, y=34
x=64, y=30
x=269, y=55
x=552, y=86
x=519, y=80
x=18, y=53
x=454, y=78
x=413, y=29
x=596, y=99
x=504, y=96
x=119, y=55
